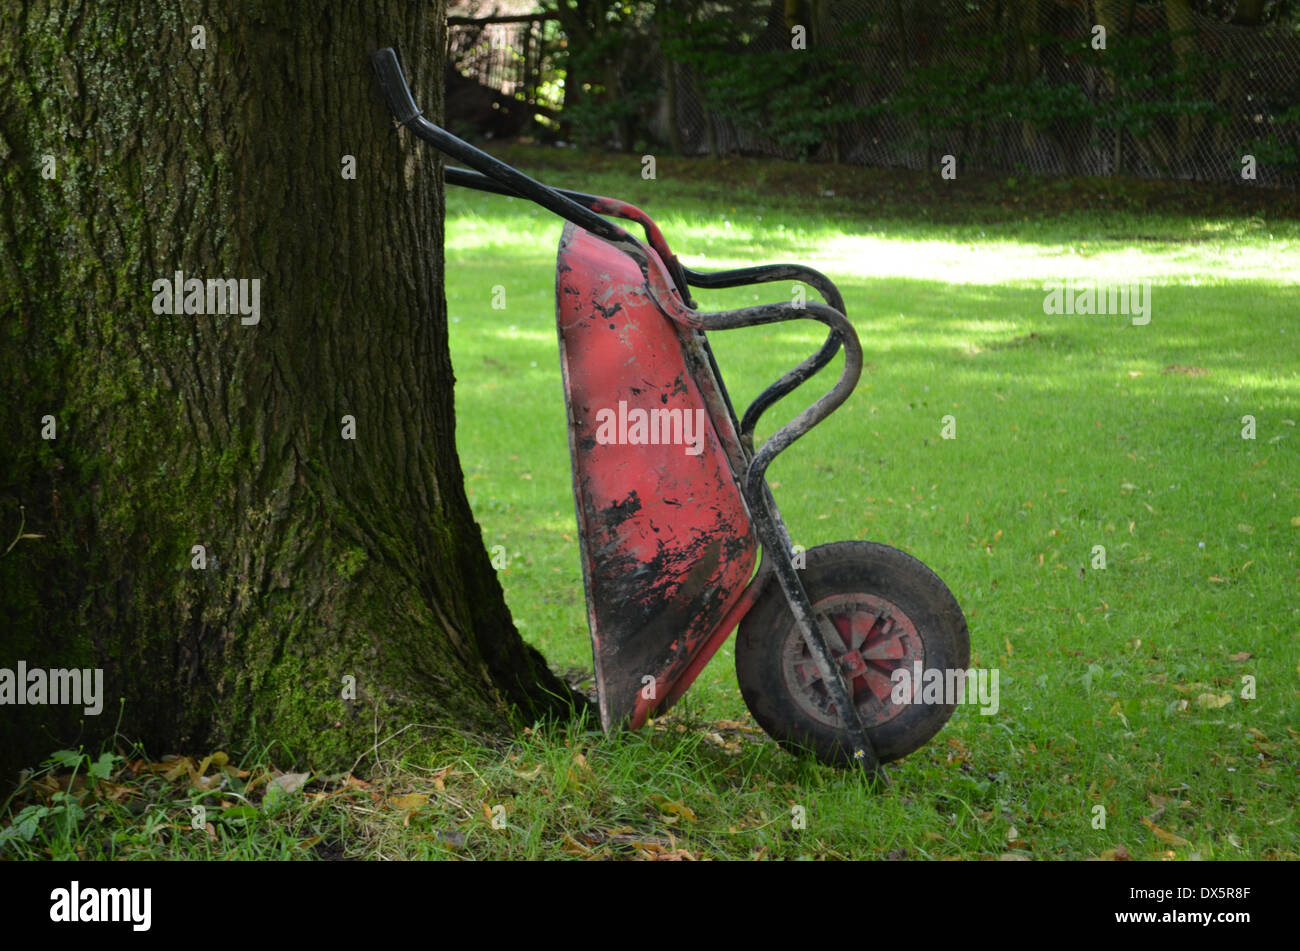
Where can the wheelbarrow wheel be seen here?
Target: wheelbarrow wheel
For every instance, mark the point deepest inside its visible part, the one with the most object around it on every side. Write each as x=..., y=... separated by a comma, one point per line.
x=891, y=612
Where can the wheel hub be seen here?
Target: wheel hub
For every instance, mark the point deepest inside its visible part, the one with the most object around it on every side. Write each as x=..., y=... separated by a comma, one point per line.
x=872, y=639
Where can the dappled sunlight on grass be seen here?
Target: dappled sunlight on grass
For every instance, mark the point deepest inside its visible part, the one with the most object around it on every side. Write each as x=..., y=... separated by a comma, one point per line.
x=1071, y=432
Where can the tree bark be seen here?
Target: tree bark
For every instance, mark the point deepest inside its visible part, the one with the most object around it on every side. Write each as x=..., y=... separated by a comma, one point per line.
x=1184, y=42
x=326, y=558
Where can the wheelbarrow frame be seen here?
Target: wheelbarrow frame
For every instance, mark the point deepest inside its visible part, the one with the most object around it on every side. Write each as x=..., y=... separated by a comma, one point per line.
x=668, y=284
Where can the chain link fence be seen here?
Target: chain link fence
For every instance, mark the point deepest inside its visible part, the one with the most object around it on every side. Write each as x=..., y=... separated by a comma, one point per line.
x=1043, y=86
x=513, y=55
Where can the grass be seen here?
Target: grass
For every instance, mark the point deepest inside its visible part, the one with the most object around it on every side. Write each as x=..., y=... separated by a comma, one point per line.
x=1121, y=687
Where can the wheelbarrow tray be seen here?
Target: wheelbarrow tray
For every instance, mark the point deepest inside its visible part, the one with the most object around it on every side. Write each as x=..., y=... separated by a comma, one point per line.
x=666, y=539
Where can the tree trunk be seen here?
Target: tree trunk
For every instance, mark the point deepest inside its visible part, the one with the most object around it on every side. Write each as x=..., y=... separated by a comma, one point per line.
x=327, y=558
x=1025, y=65
x=1248, y=13
x=1184, y=42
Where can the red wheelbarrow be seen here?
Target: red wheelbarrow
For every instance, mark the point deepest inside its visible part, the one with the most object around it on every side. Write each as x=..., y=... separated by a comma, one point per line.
x=681, y=539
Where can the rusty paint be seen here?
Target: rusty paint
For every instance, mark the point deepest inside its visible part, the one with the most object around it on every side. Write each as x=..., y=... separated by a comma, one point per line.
x=667, y=545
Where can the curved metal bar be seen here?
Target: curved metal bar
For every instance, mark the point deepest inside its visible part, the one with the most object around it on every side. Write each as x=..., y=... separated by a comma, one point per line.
x=658, y=286
x=398, y=95
x=598, y=203
x=800, y=374
x=766, y=274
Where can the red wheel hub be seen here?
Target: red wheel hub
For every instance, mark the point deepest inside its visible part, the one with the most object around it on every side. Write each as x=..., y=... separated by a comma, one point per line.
x=875, y=638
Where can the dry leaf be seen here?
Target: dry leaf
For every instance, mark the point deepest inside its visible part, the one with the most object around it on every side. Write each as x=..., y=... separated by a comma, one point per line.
x=1212, y=701
x=673, y=808
x=290, y=782
x=1241, y=657
x=1166, y=837
x=1117, y=709
x=178, y=768
x=409, y=802
x=679, y=855
x=573, y=846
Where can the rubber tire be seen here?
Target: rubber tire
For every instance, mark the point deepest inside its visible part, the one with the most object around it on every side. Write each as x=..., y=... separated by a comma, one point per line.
x=852, y=567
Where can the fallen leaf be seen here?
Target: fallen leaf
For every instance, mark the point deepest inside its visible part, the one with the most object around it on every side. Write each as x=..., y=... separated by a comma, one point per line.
x=1213, y=701
x=1166, y=837
x=290, y=782
x=579, y=772
x=680, y=855
x=1118, y=710
x=177, y=768
x=410, y=802
x=1014, y=857
x=1240, y=657
x=1117, y=854
x=673, y=808
x=573, y=846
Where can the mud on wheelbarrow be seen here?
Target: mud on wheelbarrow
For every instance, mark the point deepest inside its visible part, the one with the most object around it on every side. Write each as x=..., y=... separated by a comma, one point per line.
x=682, y=541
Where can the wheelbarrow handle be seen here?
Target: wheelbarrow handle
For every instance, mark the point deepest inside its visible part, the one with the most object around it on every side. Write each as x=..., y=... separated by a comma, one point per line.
x=402, y=104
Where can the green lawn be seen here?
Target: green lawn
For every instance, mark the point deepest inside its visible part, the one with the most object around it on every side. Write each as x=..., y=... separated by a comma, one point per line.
x=1120, y=688
x=1072, y=432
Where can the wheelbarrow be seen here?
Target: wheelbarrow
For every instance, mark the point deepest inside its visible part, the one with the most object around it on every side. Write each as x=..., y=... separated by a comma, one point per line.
x=681, y=539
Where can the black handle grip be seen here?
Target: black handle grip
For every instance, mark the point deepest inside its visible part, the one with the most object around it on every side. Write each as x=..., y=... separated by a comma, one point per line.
x=393, y=84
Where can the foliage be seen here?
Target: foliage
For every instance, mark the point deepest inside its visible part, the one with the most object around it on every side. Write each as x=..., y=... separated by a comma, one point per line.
x=795, y=97
x=609, y=85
